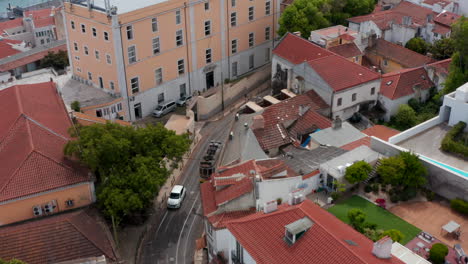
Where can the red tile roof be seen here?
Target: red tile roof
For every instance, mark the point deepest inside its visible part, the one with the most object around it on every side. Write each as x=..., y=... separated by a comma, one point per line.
x=399, y=54
x=308, y=123
x=55, y=239
x=441, y=66
x=42, y=17
x=365, y=141
x=311, y=174
x=274, y=133
x=347, y=37
x=242, y=187
x=402, y=83
x=441, y=29
x=298, y=50
x=384, y=19
x=218, y=221
x=9, y=24
x=261, y=235
x=6, y=48
x=341, y=73
x=446, y=18
x=33, y=133
x=442, y=3
x=382, y=132
x=31, y=58
x=347, y=50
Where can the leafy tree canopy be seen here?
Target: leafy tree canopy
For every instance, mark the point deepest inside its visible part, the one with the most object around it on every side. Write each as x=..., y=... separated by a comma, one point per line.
x=131, y=164
x=442, y=49
x=437, y=253
x=458, y=74
x=357, y=218
x=405, y=170
x=58, y=61
x=394, y=234
x=418, y=45
x=405, y=117
x=358, y=172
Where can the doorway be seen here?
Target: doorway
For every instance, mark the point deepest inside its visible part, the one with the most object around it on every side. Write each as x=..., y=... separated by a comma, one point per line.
x=209, y=79
x=101, y=83
x=137, y=108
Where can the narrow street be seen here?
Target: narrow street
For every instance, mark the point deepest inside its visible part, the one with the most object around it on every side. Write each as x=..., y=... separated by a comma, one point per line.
x=174, y=239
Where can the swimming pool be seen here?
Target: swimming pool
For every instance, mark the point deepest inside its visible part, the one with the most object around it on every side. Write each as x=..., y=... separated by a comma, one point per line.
x=461, y=172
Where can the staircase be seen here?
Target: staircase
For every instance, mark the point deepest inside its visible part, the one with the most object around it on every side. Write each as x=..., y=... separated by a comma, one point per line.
x=372, y=173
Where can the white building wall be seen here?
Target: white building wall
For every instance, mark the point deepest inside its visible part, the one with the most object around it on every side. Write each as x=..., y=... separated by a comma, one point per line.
x=273, y=189
x=401, y=34
x=247, y=259
x=313, y=81
x=457, y=102
x=363, y=94
x=391, y=106
x=366, y=28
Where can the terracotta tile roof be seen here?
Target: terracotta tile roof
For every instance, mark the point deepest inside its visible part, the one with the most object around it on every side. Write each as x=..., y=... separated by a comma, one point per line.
x=311, y=174
x=442, y=3
x=347, y=37
x=446, y=18
x=308, y=123
x=9, y=24
x=241, y=187
x=335, y=31
x=442, y=66
x=382, y=132
x=6, y=48
x=261, y=235
x=341, y=73
x=298, y=50
x=399, y=54
x=384, y=19
x=31, y=58
x=347, y=50
x=402, y=83
x=55, y=239
x=365, y=141
x=441, y=29
x=207, y=193
x=33, y=133
x=41, y=17
x=87, y=120
x=219, y=220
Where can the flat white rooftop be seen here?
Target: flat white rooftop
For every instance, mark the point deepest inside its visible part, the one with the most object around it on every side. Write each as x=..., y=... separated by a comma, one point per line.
x=125, y=6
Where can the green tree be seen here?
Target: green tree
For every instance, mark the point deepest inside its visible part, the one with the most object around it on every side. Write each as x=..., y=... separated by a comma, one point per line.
x=303, y=16
x=130, y=163
x=76, y=106
x=395, y=234
x=458, y=73
x=391, y=170
x=442, y=49
x=12, y=261
x=358, y=7
x=404, y=170
x=437, y=253
x=358, y=172
x=418, y=45
x=405, y=117
x=357, y=218
x=58, y=61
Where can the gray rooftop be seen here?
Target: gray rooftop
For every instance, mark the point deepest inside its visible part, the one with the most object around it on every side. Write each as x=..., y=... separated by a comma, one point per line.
x=357, y=154
x=305, y=161
x=337, y=137
x=87, y=96
x=33, y=51
x=244, y=145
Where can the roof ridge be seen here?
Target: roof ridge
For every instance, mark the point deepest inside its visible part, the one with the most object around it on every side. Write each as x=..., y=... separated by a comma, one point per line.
x=20, y=103
x=14, y=173
x=9, y=130
x=44, y=127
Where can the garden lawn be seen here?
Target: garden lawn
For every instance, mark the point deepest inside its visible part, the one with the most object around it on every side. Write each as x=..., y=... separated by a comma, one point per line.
x=383, y=218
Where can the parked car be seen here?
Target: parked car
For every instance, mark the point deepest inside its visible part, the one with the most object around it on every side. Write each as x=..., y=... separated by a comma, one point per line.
x=183, y=100
x=164, y=109
x=176, y=197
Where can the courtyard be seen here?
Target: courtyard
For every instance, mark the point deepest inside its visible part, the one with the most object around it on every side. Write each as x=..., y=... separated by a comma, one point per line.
x=384, y=219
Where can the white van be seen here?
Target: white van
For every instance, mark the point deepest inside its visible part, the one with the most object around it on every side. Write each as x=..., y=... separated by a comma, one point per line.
x=164, y=108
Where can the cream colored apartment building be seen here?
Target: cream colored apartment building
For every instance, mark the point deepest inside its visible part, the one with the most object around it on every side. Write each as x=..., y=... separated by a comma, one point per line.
x=147, y=52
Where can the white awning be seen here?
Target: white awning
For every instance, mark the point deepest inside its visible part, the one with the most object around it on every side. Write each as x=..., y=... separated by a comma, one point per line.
x=255, y=107
x=271, y=99
x=451, y=227
x=288, y=93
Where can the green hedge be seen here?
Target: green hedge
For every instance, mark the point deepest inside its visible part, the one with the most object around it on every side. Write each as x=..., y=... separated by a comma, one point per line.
x=459, y=205
x=449, y=142
x=437, y=253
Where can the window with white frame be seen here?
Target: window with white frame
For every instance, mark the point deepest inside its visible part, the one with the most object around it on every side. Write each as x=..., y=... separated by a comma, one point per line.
x=132, y=58
x=160, y=98
x=154, y=24
x=233, y=19
x=112, y=85
x=177, y=17
x=207, y=6
x=182, y=90
x=207, y=28
x=90, y=76
x=233, y=3
x=267, y=8
x=113, y=109
x=156, y=46
x=339, y=101
x=372, y=91
x=234, y=69
x=96, y=54
x=159, y=76
x=108, y=59
x=179, y=38
x=130, y=32
x=234, y=46
x=75, y=45
x=86, y=50
x=72, y=24
x=251, y=39
x=251, y=61
x=83, y=28
x=106, y=36
x=94, y=32
x=267, y=33
x=181, y=67
x=353, y=97
x=208, y=56
x=135, y=84
x=251, y=13
x=119, y=107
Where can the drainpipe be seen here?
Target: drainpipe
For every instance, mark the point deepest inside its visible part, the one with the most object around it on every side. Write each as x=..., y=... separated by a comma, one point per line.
x=228, y=25
x=187, y=49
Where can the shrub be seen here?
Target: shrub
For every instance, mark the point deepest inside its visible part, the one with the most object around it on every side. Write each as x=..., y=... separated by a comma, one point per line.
x=368, y=188
x=358, y=172
x=357, y=218
x=430, y=195
x=375, y=188
x=395, y=198
x=75, y=106
x=394, y=234
x=449, y=142
x=459, y=205
x=335, y=195
x=408, y=193
x=437, y=253
x=279, y=201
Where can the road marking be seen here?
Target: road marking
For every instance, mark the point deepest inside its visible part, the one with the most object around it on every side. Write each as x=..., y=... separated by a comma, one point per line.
x=190, y=230
x=182, y=229
x=160, y=224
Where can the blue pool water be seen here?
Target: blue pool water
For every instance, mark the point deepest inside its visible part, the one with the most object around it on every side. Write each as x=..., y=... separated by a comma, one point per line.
x=461, y=172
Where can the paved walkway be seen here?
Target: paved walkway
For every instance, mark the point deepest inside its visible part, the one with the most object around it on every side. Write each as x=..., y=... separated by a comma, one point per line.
x=430, y=217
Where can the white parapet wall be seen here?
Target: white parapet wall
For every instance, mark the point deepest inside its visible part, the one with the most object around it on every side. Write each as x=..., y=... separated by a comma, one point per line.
x=415, y=130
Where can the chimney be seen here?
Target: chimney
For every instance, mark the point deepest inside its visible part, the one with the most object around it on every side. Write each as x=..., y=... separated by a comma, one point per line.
x=270, y=206
x=383, y=248
x=337, y=123
x=258, y=122
x=297, y=33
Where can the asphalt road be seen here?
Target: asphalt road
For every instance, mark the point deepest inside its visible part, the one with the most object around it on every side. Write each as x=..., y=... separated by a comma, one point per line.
x=174, y=240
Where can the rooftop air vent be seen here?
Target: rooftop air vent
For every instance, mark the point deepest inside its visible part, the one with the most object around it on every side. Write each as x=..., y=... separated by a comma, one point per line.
x=295, y=230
